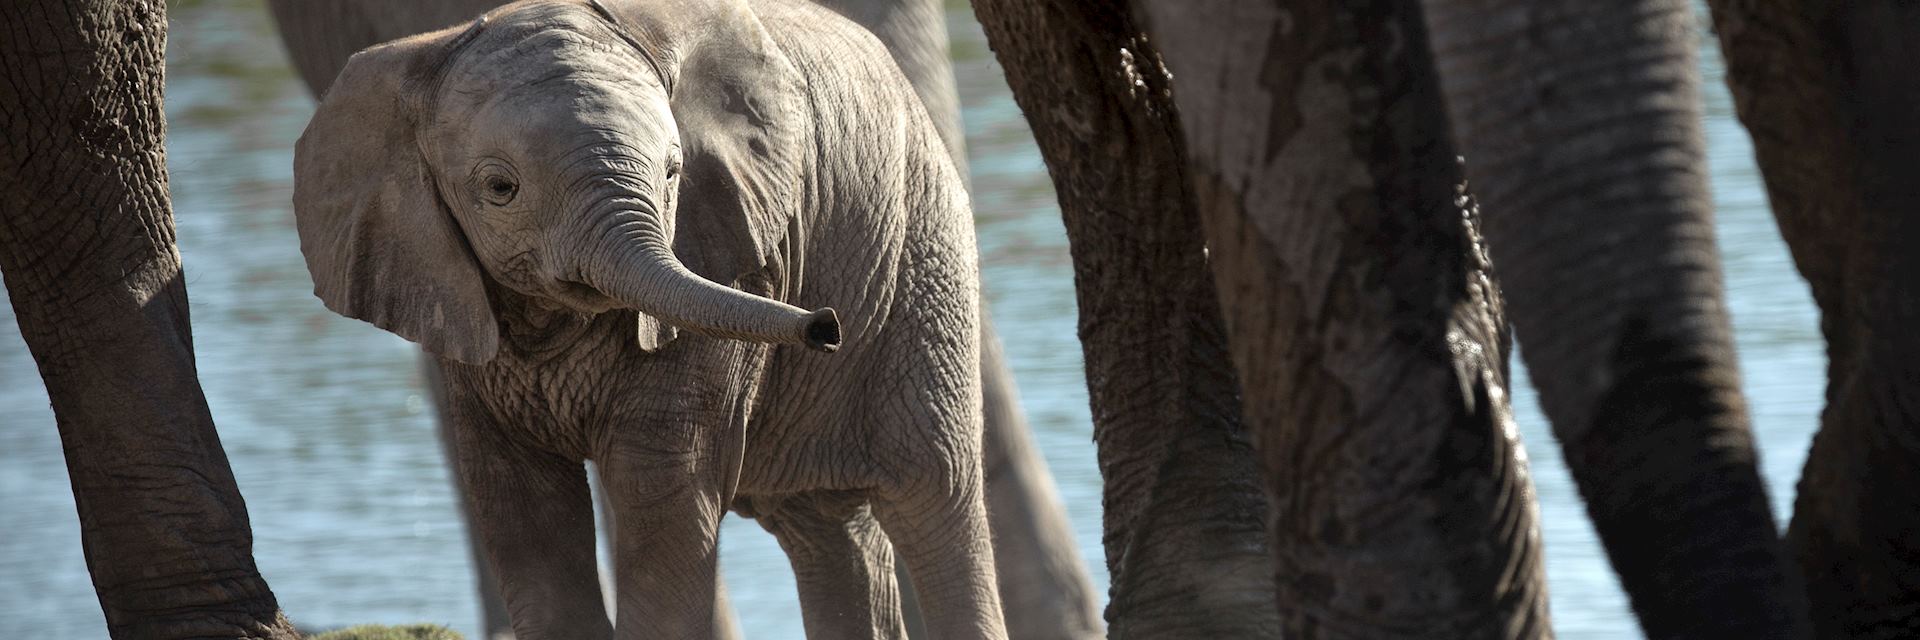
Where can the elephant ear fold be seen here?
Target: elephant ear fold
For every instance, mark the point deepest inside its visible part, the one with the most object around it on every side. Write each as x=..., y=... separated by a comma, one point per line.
x=739, y=103
x=379, y=242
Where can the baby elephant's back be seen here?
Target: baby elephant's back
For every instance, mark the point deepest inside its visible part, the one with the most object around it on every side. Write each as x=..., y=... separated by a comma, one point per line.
x=889, y=202
x=876, y=138
x=892, y=244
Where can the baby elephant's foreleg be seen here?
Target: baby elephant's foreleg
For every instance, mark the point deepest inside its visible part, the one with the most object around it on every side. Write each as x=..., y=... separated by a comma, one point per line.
x=667, y=509
x=534, y=519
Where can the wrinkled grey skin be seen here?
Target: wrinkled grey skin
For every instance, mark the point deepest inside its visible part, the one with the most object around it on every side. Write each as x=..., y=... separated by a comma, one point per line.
x=1579, y=124
x=1827, y=92
x=510, y=195
x=1044, y=587
x=1364, y=319
x=1580, y=127
x=1589, y=159
x=1043, y=584
x=1591, y=166
x=95, y=281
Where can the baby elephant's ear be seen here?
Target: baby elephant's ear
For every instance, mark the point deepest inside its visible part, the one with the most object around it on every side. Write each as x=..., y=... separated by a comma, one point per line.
x=739, y=104
x=379, y=242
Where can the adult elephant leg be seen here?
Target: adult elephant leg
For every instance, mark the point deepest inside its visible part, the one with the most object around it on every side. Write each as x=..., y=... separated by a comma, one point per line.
x=1364, y=318
x=1184, y=519
x=1828, y=96
x=1580, y=123
x=87, y=249
x=1043, y=585
x=1044, y=588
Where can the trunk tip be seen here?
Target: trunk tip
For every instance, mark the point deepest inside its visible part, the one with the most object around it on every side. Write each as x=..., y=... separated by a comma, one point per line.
x=823, y=330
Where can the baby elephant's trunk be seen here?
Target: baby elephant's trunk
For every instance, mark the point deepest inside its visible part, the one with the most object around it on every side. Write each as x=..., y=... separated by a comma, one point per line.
x=642, y=273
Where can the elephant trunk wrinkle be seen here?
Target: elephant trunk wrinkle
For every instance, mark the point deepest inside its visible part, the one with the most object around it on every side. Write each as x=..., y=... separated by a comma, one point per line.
x=634, y=264
x=601, y=179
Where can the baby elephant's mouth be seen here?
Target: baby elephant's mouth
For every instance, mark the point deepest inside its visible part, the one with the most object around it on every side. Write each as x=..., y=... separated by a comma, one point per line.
x=581, y=296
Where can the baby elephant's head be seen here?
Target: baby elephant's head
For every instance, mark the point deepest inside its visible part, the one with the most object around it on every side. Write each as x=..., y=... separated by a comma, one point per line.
x=586, y=155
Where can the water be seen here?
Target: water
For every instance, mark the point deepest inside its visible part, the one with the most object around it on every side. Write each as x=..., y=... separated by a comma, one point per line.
x=333, y=445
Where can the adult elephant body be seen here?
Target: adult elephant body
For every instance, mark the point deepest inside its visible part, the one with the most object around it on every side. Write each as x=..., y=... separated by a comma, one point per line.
x=1580, y=129
x=1367, y=323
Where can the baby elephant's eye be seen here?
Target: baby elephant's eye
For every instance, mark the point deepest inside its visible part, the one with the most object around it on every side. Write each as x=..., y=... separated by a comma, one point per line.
x=499, y=190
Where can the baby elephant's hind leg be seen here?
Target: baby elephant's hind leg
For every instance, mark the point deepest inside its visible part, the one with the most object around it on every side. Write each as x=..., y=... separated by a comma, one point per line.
x=841, y=560
x=938, y=524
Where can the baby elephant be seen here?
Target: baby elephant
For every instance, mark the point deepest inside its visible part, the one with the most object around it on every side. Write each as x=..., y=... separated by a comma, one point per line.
x=608, y=219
